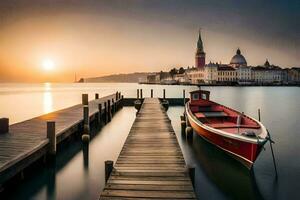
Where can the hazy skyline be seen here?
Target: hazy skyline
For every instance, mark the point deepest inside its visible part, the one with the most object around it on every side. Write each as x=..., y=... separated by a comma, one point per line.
x=95, y=38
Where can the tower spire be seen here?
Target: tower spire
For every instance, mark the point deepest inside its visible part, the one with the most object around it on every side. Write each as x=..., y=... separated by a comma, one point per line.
x=200, y=43
x=200, y=54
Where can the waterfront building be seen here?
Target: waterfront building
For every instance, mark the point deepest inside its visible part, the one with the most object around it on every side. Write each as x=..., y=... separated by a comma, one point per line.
x=153, y=78
x=244, y=74
x=227, y=73
x=200, y=54
x=211, y=73
x=294, y=75
x=196, y=75
x=268, y=74
x=182, y=79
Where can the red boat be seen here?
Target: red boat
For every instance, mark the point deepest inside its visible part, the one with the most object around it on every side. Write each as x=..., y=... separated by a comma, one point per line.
x=239, y=135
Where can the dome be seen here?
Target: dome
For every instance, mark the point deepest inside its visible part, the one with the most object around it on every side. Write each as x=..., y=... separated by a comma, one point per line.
x=238, y=59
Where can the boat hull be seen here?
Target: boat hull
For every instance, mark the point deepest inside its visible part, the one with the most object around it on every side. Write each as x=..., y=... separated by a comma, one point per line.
x=244, y=152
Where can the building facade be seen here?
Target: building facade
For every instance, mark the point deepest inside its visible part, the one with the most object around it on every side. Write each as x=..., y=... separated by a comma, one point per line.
x=226, y=73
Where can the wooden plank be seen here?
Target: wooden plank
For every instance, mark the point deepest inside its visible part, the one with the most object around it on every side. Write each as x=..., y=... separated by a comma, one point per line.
x=149, y=194
x=149, y=187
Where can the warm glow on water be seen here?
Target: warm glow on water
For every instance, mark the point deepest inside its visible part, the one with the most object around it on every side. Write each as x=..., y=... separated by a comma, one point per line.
x=47, y=99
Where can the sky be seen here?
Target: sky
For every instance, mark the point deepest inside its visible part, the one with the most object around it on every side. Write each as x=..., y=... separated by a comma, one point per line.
x=51, y=40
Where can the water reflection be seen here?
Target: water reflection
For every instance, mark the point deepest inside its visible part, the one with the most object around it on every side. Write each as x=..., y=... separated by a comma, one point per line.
x=47, y=98
x=51, y=189
x=85, y=152
x=227, y=174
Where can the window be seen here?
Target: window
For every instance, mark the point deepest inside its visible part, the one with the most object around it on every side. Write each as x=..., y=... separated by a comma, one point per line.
x=195, y=96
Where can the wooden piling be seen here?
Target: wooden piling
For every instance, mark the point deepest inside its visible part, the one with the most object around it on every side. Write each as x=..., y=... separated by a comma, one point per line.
x=86, y=118
x=52, y=138
x=86, y=124
x=258, y=114
x=96, y=96
x=151, y=93
x=137, y=94
x=192, y=175
x=189, y=133
x=122, y=100
x=113, y=106
x=85, y=99
x=164, y=93
x=99, y=112
x=4, y=125
x=183, y=124
x=141, y=91
x=183, y=97
x=109, y=165
x=109, y=111
x=105, y=113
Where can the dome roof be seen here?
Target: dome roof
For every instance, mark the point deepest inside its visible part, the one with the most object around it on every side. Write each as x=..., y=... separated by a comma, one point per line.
x=238, y=59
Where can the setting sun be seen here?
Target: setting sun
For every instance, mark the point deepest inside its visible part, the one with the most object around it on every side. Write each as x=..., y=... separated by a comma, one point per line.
x=48, y=64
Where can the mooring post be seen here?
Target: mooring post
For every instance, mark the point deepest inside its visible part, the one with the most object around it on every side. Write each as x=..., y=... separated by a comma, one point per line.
x=183, y=124
x=117, y=100
x=141, y=93
x=86, y=118
x=52, y=138
x=122, y=101
x=258, y=114
x=137, y=93
x=192, y=175
x=99, y=112
x=183, y=97
x=113, y=106
x=164, y=93
x=85, y=99
x=96, y=96
x=189, y=133
x=151, y=93
x=4, y=125
x=105, y=113
x=109, y=165
x=109, y=110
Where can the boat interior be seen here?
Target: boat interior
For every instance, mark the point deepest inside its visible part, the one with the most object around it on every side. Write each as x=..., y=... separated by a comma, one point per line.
x=221, y=117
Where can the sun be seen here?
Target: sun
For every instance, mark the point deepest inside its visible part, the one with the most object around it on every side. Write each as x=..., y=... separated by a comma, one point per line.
x=48, y=64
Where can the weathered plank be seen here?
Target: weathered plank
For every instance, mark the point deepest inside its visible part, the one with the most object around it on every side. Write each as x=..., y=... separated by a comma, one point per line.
x=150, y=164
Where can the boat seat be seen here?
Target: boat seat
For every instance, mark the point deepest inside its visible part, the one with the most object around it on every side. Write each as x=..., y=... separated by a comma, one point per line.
x=232, y=125
x=210, y=114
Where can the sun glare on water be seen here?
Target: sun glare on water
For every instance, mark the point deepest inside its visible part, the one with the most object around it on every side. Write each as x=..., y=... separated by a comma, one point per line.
x=48, y=64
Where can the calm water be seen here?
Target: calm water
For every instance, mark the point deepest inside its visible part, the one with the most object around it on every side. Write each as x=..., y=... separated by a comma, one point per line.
x=80, y=175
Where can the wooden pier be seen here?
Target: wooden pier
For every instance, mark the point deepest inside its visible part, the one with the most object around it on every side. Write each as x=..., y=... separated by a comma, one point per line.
x=151, y=164
x=27, y=141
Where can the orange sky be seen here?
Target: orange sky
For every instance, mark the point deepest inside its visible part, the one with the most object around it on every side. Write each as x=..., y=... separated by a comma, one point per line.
x=93, y=44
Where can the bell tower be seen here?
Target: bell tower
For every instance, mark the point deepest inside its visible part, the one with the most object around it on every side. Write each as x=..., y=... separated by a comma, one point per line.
x=200, y=54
